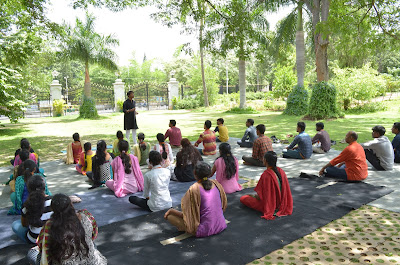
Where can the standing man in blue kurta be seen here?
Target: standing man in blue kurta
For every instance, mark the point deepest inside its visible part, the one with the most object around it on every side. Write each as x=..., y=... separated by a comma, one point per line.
x=129, y=109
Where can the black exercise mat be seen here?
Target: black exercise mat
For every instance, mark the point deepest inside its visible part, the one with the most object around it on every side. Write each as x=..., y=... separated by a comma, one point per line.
x=247, y=237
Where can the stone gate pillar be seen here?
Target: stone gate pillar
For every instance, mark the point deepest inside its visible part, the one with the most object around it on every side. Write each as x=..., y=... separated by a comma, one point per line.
x=119, y=92
x=55, y=91
x=173, y=89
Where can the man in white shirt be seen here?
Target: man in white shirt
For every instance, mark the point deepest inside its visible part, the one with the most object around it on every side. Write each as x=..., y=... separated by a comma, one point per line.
x=379, y=152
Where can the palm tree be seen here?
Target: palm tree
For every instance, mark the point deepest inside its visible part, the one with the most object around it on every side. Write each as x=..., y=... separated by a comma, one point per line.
x=89, y=47
x=290, y=29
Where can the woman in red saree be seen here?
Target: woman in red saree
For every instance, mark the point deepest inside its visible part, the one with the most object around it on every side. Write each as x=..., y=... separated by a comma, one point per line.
x=273, y=197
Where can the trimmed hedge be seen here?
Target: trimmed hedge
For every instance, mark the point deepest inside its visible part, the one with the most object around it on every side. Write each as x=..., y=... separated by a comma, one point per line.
x=297, y=102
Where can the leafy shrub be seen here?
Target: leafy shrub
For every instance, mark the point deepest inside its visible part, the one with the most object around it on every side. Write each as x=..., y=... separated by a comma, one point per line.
x=285, y=80
x=368, y=108
x=186, y=103
x=237, y=110
x=323, y=102
x=120, y=105
x=88, y=109
x=273, y=105
x=255, y=95
x=358, y=84
x=58, y=107
x=297, y=102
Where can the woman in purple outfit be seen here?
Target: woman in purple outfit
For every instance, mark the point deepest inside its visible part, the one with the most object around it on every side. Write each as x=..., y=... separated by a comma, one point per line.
x=202, y=206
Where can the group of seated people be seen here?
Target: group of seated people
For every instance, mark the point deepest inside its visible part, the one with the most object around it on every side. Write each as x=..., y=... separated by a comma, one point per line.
x=44, y=218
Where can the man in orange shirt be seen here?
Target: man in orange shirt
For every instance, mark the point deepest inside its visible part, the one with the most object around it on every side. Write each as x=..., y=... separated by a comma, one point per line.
x=351, y=163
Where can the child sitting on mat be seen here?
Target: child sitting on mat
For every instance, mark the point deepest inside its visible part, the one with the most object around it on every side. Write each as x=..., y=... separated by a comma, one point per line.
x=67, y=238
x=25, y=145
x=222, y=131
x=273, y=197
x=186, y=159
x=21, y=193
x=165, y=150
x=85, y=160
x=101, y=165
x=155, y=189
x=35, y=213
x=142, y=150
x=227, y=168
x=127, y=177
x=120, y=137
x=74, y=150
x=202, y=206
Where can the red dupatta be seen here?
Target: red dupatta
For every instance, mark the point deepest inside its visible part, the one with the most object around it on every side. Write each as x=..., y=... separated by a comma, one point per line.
x=272, y=197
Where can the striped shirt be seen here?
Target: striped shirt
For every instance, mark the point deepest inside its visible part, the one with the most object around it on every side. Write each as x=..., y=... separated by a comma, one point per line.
x=208, y=139
x=34, y=231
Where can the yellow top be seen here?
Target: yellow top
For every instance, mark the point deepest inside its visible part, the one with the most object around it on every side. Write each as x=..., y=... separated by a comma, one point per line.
x=89, y=162
x=223, y=133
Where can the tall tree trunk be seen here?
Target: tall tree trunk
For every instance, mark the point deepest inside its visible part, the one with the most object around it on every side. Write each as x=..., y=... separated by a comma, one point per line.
x=206, y=103
x=320, y=12
x=321, y=53
x=242, y=82
x=300, y=48
x=86, y=88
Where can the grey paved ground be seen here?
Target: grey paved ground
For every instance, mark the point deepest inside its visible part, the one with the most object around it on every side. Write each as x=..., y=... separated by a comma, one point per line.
x=63, y=178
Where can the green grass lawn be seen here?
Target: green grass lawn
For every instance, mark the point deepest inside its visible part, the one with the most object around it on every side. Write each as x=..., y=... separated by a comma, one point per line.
x=48, y=136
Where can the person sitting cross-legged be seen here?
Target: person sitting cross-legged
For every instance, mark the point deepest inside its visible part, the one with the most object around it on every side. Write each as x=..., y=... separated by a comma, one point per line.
x=142, y=149
x=208, y=139
x=67, y=237
x=186, y=159
x=74, y=150
x=262, y=145
x=155, y=189
x=202, y=206
x=250, y=135
x=321, y=141
x=396, y=141
x=222, y=130
x=127, y=176
x=174, y=134
x=303, y=150
x=351, y=162
x=379, y=152
x=36, y=211
x=115, y=150
x=226, y=167
x=273, y=197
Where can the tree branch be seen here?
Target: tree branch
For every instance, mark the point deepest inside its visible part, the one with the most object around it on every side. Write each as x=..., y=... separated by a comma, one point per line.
x=381, y=26
x=213, y=7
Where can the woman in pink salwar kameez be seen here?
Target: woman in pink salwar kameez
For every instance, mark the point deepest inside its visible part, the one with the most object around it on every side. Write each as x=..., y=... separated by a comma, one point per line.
x=127, y=176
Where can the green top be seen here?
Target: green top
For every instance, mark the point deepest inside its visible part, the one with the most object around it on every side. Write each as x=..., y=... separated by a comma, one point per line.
x=115, y=147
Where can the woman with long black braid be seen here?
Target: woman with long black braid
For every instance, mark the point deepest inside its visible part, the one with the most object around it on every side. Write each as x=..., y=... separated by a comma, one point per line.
x=101, y=165
x=165, y=150
x=127, y=177
x=227, y=168
x=273, y=197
